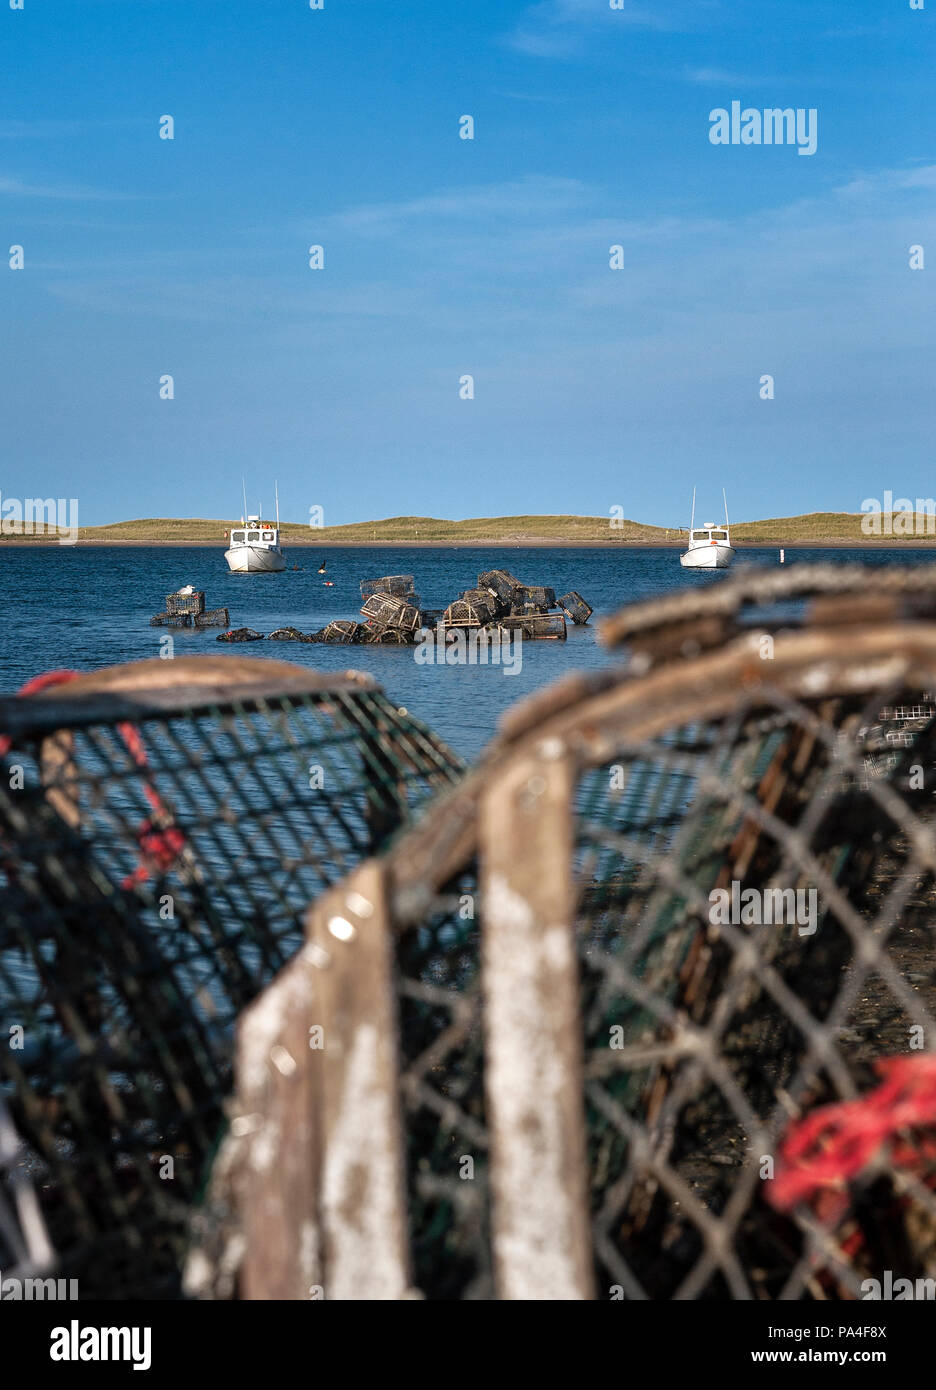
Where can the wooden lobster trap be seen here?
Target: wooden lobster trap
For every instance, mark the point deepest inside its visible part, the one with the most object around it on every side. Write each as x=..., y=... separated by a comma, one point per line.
x=401, y=585
x=611, y=1021
x=162, y=828
x=387, y=610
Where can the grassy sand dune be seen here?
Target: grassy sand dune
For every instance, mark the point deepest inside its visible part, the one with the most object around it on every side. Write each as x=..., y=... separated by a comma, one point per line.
x=399, y=530
x=815, y=528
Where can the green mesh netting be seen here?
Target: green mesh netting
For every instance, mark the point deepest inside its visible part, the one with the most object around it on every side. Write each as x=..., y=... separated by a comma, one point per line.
x=701, y=1041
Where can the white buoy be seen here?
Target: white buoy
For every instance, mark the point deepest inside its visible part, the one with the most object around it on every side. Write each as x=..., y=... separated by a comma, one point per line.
x=782, y=557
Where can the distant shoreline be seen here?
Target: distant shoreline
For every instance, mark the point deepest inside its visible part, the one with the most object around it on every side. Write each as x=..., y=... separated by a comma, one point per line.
x=810, y=531
x=533, y=543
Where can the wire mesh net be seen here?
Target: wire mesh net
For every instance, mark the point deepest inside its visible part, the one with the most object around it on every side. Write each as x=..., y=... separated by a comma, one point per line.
x=707, y=1031
x=754, y=928
x=442, y=1096
x=155, y=870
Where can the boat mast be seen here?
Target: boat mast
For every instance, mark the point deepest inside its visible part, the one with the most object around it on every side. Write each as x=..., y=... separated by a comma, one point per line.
x=276, y=491
x=692, y=518
x=244, y=489
x=725, y=500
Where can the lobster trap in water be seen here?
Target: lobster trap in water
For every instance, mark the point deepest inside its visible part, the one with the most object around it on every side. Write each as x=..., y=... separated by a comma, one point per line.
x=386, y=610
x=695, y=915
x=400, y=585
x=163, y=827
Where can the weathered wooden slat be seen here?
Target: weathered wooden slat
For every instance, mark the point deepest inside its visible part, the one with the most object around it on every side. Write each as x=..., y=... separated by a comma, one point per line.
x=60, y=776
x=533, y=1036
x=279, y=1128
x=320, y=1179
x=362, y=1195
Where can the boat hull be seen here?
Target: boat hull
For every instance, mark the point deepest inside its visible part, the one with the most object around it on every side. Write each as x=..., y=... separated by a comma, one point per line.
x=707, y=557
x=254, y=559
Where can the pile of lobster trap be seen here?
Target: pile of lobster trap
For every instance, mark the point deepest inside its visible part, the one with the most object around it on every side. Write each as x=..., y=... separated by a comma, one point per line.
x=500, y=602
x=393, y=615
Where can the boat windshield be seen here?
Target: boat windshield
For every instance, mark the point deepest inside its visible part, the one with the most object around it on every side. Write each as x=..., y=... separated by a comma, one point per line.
x=237, y=535
x=253, y=535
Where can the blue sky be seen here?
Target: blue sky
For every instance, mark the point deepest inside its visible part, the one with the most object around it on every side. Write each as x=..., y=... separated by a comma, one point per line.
x=593, y=388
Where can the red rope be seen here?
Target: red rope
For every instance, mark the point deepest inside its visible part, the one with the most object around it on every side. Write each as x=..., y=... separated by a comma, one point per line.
x=159, y=848
x=836, y=1142
x=32, y=687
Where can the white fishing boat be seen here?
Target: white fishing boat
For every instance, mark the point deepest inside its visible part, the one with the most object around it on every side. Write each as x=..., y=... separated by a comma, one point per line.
x=255, y=545
x=710, y=546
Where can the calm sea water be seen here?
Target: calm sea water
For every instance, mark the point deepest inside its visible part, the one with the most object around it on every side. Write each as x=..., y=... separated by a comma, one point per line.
x=83, y=608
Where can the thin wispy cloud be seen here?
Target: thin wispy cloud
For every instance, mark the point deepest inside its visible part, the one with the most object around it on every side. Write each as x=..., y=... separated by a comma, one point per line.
x=546, y=45
x=923, y=177
x=561, y=28
x=719, y=77
x=53, y=130
x=885, y=182
x=12, y=187
x=518, y=232
x=529, y=196
x=540, y=98
x=860, y=31
x=232, y=299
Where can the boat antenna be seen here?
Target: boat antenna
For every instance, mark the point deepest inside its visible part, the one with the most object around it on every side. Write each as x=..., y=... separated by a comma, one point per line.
x=276, y=491
x=244, y=488
x=725, y=499
x=692, y=518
